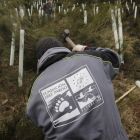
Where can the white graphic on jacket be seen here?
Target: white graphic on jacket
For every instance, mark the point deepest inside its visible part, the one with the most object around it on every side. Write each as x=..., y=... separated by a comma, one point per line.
x=61, y=105
x=80, y=80
x=71, y=97
x=67, y=109
x=88, y=97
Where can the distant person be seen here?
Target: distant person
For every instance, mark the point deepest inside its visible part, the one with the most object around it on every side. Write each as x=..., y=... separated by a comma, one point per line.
x=47, y=9
x=72, y=97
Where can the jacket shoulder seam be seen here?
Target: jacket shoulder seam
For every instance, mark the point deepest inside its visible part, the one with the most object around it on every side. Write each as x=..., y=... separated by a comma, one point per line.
x=90, y=56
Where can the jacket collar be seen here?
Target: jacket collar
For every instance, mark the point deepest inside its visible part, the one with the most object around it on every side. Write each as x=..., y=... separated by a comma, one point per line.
x=49, y=57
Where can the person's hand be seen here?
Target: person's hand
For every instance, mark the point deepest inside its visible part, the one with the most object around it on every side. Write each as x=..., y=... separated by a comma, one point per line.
x=78, y=48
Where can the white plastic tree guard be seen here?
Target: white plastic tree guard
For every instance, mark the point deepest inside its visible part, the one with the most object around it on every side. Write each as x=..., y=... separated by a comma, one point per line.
x=114, y=27
x=16, y=11
x=97, y=10
x=12, y=54
x=34, y=4
x=31, y=10
x=127, y=7
x=133, y=5
x=120, y=35
x=59, y=9
x=83, y=6
x=21, y=56
x=135, y=14
x=65, y=11
x=11, y=15
x=126, y=3
x=74, y=6
x=37, y=5
x=21, y=12
x=122, y=11
x=85, y=17
x=29, y=13
x=39, y=13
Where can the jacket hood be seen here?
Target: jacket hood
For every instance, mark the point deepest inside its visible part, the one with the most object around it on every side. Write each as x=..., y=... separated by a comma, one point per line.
x=47, y=60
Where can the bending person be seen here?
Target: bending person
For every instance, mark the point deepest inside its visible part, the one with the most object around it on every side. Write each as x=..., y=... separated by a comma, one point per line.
x=72, y=97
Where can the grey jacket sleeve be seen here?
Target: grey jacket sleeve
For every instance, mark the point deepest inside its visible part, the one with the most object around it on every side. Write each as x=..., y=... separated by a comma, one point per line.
x=111, y=60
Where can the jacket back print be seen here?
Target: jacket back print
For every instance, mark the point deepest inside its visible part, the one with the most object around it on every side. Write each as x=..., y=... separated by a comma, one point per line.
x=73, y=97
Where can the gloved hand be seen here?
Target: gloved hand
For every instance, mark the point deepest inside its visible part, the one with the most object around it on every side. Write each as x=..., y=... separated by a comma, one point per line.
x=78, y=48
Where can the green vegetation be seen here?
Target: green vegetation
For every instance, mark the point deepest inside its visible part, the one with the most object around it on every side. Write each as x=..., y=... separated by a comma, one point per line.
x=97, y=32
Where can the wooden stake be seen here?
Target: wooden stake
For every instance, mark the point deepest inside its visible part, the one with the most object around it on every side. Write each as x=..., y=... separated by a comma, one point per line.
x=125, y=94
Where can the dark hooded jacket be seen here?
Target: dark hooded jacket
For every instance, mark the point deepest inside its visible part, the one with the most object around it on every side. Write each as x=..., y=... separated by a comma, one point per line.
x=73, y=97
x=47, y=8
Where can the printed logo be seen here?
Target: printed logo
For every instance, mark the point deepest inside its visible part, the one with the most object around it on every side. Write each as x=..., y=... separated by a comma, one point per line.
x=60, y=104
x=71, y=97
x=88, y=98
x=79, y=80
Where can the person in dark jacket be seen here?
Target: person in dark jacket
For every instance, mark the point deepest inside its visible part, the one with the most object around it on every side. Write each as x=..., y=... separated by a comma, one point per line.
x=72, y=97
x=47, y=9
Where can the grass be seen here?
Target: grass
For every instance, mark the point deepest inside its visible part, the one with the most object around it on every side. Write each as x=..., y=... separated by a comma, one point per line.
x=98, y=33
x=129, y=106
